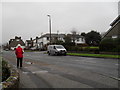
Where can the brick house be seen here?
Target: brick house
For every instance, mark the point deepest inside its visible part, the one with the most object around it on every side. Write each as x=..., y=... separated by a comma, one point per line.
x=13, y=43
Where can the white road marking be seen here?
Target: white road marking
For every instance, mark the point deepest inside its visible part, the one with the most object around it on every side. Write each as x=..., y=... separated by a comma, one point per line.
x=25, y=72
x=28, y=62
x=40, y=72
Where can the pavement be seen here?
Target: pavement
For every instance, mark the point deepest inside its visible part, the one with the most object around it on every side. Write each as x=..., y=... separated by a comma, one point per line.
x=43, y=71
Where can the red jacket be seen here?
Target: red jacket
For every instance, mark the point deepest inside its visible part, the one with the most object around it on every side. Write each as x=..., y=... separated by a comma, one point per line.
x=19, y=52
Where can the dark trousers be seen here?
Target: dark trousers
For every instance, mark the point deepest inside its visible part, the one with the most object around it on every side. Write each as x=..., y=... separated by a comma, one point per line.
x=19, y=61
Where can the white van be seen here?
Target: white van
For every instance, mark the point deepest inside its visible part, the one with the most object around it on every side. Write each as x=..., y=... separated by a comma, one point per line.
x=56, y=50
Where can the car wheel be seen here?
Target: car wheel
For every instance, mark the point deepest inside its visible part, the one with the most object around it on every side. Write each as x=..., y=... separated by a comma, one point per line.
x=65, y=54
x=48, y=53
x=56, y=53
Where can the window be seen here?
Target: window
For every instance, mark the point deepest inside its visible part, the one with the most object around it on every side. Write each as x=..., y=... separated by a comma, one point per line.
x=82, y=39
x=114, y=36
x=78, y=40
x=17, y=40
x=47, y=38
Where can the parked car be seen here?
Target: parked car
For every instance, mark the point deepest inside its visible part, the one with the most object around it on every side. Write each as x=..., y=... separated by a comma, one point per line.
x=33, y=48
x=6, y=49
x=56, y=50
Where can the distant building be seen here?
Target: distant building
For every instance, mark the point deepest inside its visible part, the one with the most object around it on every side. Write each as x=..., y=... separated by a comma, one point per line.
x=35, y=42
x=13, y=43
x=28, y=43
x=44, y=40
x=114, y=31
x=78, y=39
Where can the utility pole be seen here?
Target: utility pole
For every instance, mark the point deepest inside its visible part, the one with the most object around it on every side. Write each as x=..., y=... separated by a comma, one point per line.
x=58, y=34
x=49, y=27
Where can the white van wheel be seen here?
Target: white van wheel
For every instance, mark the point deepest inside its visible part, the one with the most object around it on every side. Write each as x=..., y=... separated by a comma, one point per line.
x=48, y=53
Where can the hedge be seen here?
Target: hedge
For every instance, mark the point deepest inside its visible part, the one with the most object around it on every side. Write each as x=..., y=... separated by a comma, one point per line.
x=111, y=45
x=5, y=70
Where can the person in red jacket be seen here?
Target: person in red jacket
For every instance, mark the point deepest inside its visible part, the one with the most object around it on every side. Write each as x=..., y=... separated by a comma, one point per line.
x=19, y=56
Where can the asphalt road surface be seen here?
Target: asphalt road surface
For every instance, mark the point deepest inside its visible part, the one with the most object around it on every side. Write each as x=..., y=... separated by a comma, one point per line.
x=43, y=71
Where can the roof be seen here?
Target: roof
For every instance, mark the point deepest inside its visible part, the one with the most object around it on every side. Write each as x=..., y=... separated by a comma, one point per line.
x=53, y=35
x=76, y=36
x=14, y=43
x=58, y=35
x=113, y=24
x=115, y=21
x=29, y=41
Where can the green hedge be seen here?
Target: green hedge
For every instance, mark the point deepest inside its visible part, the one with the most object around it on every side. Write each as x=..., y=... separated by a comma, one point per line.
x=112, y=45
x=5, y=70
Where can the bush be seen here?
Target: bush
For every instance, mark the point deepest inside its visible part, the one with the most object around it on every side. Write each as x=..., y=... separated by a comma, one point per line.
x=110, y=45
x=5, y=70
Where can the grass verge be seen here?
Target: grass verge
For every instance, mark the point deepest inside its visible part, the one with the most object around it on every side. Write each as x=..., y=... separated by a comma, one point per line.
x=95, y=55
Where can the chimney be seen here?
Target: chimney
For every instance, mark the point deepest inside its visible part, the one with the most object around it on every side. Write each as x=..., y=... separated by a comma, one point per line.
x=31, y=39
x=16, y=37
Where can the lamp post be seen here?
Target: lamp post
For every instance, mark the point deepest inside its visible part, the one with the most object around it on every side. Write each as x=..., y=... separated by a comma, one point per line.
x=49, y=26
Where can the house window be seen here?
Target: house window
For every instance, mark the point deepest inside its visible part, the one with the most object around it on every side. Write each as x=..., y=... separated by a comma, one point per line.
x=47, y=38
x=78, y=40
x=17, y=40
x=82, y=39
x=114, y=36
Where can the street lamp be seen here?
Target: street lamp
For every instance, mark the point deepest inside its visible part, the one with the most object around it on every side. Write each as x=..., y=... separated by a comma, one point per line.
x=49, y=26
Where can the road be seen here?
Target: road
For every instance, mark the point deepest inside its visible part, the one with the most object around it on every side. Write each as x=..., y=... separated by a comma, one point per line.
x=43, y=71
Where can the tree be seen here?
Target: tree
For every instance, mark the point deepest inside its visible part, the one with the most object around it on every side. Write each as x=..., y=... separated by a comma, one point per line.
x=59, y=42
x=67, y=39
x=83, y=34
x=93, y=38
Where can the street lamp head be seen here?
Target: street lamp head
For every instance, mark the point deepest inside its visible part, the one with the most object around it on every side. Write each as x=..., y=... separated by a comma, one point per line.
x=48, y=15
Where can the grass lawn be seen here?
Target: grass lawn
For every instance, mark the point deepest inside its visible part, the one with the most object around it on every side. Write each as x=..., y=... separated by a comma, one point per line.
x=95, y=55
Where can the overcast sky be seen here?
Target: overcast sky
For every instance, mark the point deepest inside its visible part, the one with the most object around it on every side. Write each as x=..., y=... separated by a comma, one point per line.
x=29, y=19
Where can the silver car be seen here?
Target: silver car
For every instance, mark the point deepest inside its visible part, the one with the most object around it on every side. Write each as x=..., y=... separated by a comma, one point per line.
x=56, y=50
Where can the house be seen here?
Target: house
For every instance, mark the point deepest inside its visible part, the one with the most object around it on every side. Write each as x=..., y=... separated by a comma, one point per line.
x=13, y=43
x=78, y=39
x=114, y=31
x=111, y=40
x=44, y=40
x=28, y=43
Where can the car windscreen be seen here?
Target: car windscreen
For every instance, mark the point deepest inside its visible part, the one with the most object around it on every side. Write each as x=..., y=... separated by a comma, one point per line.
x=59, y=47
